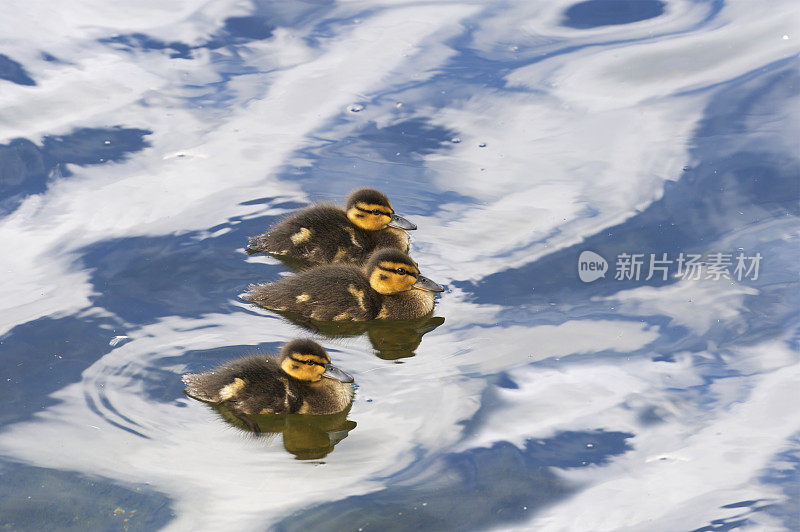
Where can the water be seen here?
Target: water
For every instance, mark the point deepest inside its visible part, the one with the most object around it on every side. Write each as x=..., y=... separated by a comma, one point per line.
x=141, y=145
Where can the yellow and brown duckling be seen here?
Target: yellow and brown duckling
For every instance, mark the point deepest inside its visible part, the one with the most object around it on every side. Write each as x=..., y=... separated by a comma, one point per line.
x=328, y=234
x=388, y=287
x=300, y=381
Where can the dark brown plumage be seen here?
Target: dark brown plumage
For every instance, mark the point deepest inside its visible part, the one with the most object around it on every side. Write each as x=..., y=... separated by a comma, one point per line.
x=299, y=381
x=322, y=293
x=328, y=234
x=389, y=286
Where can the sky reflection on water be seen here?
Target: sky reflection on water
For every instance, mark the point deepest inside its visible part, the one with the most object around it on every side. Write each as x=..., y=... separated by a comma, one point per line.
x=142, y=144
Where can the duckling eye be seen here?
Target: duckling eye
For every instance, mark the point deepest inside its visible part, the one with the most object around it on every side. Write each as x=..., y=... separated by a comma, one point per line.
x=401, y=271
x=310, y=362
x=376, y=212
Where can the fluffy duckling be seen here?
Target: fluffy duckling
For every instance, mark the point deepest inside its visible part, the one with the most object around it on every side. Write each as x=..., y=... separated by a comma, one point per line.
x=389, y=286
x=326, y=234
x=300, y=381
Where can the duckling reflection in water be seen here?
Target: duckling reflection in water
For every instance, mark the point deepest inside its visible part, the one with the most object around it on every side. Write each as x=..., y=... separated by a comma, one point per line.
x=300, y=381
x=394, y=339
x=388, y=287
x=328, y=234
x=391, y=339
x=308, y=437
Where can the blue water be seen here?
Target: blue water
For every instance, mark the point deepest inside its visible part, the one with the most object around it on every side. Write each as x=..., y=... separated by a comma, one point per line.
x=142, y=144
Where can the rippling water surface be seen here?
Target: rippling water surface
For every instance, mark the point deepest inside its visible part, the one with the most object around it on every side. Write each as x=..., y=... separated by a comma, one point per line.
x=141, y=143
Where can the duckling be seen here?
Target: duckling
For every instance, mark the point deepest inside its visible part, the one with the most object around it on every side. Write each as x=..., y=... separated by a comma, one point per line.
x=389, y=286
x=328, y=234
x=300, y=381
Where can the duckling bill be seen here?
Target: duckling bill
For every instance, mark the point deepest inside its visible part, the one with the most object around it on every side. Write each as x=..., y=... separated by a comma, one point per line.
x=328, y=234
x=301, y=380
x=389, y=286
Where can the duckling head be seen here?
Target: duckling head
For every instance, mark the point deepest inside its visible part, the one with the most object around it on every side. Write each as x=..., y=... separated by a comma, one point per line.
x=391, y=271
x=306, y=361
x=370, y=209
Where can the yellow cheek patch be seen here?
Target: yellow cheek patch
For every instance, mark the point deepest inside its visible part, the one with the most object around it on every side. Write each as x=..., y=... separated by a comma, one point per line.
x=301, y=236
x=302, y=298
x=300, y=371
x=230, y=390
x=367, y=220
x=388, y=283
x=358, y=294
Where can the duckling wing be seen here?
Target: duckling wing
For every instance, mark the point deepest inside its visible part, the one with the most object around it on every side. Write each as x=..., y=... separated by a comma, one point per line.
x=325, y=293
x=320, y=234
x=268, y=390
x=214, y=386
x=200, y=387
x=250, y=385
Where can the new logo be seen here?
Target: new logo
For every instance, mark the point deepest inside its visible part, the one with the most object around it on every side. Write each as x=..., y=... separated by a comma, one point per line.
x=591, y=266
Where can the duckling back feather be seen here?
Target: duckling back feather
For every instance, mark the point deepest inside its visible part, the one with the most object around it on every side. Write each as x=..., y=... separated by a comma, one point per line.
x=326, y=293
x=323, y=234
x=319, y=234
x=251, y=385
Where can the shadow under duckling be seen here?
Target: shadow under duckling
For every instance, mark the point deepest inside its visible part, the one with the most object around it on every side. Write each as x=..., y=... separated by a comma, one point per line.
x=388, y=287
x=300, y=381
x=307, y=437
x=328, y=234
